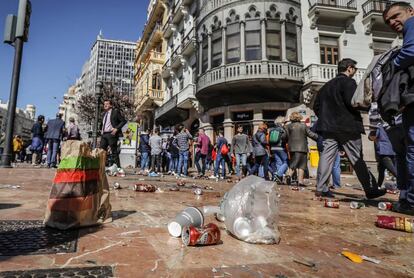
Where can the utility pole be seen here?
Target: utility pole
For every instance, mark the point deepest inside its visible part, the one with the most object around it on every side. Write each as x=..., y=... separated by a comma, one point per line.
x=16, y=33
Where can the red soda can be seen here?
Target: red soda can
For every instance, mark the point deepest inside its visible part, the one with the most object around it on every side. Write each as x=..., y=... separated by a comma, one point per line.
x=143, y=187
x=331, y=203
x=207, y=235
x=385, y=206
x=395, y=223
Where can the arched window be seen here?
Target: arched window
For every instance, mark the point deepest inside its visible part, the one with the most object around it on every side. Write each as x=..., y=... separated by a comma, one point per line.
x=291, y=37
x=204, y=44
x=233, y=38
x=253, y=35
x=156, y=81
x=216, y=45
x=273, y=37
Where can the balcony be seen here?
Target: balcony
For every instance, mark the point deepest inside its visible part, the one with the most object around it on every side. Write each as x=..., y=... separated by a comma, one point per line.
x=333, y=13
x=372, y=17
x=186, y=96
x=189, y=43
x=254, y=81
x=316, y=75
x=177, y=59
x=169, y=28
x=179, y=12
x=166, y=69
x=147, y=101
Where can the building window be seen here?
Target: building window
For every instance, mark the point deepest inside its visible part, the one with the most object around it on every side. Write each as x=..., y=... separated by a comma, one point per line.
x=156, y=81
x=216, y=48
x=380, y=47
x=205, y=53
x=329, y=50
x=253, y=39
x=273, y=39
x=233, y=43
x=291, y=42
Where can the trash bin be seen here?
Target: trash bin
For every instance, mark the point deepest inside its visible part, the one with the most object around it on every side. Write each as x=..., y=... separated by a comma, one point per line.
x=314, y=156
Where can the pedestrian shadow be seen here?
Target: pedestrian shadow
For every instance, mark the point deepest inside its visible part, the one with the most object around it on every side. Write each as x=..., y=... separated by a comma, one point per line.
x=119, y=214
x=9, y=206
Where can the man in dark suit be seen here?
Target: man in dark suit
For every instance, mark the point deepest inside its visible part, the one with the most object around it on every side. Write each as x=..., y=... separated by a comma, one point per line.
x=54, y=133
x=112, y=125
x=340, y=124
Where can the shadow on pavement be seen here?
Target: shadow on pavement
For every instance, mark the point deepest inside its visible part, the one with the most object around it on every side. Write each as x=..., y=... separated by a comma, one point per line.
x=118, y=214
x=9, y=206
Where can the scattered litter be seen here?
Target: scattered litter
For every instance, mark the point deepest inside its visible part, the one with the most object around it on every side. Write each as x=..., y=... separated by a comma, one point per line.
x=198, y=191
x=207, y=235
x=159, y=190
x=117, y=185
x=208, y=187
x=385, y=206
x=120, y=173
x=371, y=260
x=348, y=185
x=210, y=210
x=394, y=192
x=181, y=182
x=11, y=186
x=356, y=205
x=191, y=216
x=395, y=223
x=329, y=203
x=220, y=217
x=359, y=258
x=214, y=270
x=297, y=188
x=153, y=175
x=391, y=186
x=144, y=187
x=250, y=210
x=112, y=170
x=90, y=262
x=174, y=188
x=304, y=262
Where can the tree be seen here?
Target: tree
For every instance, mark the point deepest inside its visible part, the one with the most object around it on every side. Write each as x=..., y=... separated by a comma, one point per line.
x=85, y=105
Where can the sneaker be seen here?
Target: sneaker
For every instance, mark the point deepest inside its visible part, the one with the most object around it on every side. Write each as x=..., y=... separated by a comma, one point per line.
x=327, y=194
x=376, y=194
x=278, y=180
x=183, y=176
x=212, y=177
x=403, y=207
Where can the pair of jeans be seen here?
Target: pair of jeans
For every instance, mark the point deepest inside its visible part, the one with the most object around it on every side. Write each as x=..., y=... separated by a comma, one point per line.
x=261, y=160
x=183, y=162
x=407, y=189
x=173, y=163
x=200, y=169
x=336, y=171
x=281, y=160
x=241, y=161
x=144, y=160
x=156, y=162
x=52, y=151
x=385, y=162
x=220, y=160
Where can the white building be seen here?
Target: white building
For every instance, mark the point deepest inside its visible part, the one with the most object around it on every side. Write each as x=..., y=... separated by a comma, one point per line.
x=67, y=107
x=112, y=62
x=23, y=122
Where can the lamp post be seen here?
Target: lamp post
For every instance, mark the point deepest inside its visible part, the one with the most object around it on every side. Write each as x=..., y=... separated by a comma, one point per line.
x=98, y=95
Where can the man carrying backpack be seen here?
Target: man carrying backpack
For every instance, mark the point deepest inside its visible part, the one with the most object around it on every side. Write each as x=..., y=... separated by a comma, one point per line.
x=400, y=17
x=222, y=151
x=277, y=142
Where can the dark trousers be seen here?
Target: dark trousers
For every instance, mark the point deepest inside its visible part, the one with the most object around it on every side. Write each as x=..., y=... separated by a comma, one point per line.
x=109, y=140
x=407, y=189
x=262, y=160
x=200, y=169
x=156, y=162
x=385, y=162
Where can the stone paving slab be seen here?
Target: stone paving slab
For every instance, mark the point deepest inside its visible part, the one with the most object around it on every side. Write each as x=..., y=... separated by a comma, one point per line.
x=137, y=243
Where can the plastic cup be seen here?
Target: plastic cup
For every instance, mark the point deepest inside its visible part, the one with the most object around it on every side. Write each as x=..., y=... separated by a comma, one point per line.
x=191, y=216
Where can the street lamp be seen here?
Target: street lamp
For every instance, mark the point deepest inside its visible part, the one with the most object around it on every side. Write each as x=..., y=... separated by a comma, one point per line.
x=98, y=96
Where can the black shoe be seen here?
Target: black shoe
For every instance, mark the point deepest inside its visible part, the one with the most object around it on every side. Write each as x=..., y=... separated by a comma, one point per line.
x=403, y=207
x=278, y=180
x=327, y=194
x=376, y=194
x=288, y=180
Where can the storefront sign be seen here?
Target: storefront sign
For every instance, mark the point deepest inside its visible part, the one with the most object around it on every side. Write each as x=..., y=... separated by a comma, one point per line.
x=242, y=116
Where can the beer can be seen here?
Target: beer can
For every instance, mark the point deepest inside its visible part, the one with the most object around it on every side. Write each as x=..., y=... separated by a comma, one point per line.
x=331, y=203
x=198, y=191
x=143, y=187
x=117, y=185
x=295, y=188
x=356, y=205
x=385, y=206
x=395, y=223
x=207, y=235
x=180, y=182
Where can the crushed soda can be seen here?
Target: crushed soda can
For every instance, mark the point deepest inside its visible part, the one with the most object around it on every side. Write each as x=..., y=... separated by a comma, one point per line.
x=117, y=185
x=395, y=223
x=329, y=203
x=356, y=205
x=143, y=187
x=208, y=187
x=121, y=173
x=198, y=191
x=207, y=235
x=295, y=188
x=174, y=188
x=385, y=206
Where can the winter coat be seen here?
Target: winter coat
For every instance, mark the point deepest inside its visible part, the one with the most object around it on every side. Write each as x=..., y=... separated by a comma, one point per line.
x=259, y=143
x=297, y=134
x=144, y=143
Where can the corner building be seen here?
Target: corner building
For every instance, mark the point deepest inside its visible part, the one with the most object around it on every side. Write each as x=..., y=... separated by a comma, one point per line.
x=249, y=62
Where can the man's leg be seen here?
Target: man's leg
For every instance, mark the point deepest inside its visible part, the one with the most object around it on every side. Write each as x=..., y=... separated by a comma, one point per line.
x=265, y=164
x=158, y=162
x=353, y=149
x=336, y=172
x=223, y=166
x=244, y=163
x=238, y=162
x=326, y=161
x=197, y=164
x=49, y=151
x=203, y=164
x=216, y=165
x=180, y=162
x=185, y=164
x=408, y=124
x=55, y=152
x=113, y=143
x=152, y=163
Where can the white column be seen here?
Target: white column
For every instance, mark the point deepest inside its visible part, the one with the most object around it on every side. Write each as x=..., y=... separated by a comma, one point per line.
x=283, y=40
x=223, y=45
x=209, y=51
x=242, y=42
x=299, y=42
x=257, y=118
x=263, y=35
x=200, y=57
x=228, y=125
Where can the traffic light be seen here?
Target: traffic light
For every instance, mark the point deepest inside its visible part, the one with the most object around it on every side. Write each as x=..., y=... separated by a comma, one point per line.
x=23, y=19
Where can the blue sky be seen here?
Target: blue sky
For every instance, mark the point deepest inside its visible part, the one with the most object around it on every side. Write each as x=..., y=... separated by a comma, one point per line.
x=61, y=35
